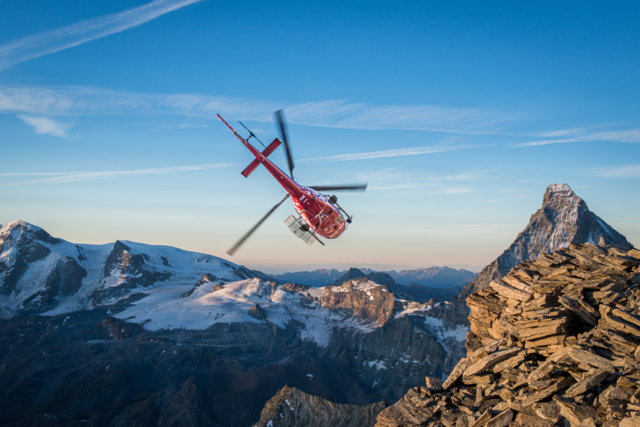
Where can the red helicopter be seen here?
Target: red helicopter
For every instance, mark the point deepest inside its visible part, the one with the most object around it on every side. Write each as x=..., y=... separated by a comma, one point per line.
x=319, y=214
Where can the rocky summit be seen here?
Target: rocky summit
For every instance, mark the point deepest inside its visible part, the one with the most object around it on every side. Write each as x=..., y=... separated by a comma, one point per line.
x=563, y=219
x=555, y=342
x=291, y=407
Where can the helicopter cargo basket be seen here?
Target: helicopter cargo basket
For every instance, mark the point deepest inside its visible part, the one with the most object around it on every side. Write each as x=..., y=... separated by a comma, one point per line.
x=301, y=229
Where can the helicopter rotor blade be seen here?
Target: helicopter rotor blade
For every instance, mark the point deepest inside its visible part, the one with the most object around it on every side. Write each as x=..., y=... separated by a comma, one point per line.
x=349, y=187
x=233, y=249
x=283, y=132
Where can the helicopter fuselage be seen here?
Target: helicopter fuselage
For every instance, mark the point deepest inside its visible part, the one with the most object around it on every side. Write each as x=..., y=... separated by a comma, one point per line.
x=314, y=208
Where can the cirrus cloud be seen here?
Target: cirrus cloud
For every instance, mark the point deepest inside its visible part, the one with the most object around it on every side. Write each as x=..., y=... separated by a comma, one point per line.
x=45, y=125
x=48, y=42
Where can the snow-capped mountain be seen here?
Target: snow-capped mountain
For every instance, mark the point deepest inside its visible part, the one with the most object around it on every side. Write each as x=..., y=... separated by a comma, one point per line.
x=358, y=305
x=563, y=219
x=40, y=273
x=165, y=288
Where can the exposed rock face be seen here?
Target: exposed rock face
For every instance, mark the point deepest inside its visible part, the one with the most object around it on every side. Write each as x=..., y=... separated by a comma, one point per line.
x=23, y=245
x=421, y=340
x=411, y=291
x=361, y=297
x=403, y=351
x=257, y=312
x=555, y=342
x=206, y=278
x=292, y=408
x=133, y=270
x=63, y=280
x=563, y=219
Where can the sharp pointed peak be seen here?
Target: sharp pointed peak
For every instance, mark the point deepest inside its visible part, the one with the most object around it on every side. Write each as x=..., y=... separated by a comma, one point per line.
x=559, y=188
x=560, y=194
x=119, y=246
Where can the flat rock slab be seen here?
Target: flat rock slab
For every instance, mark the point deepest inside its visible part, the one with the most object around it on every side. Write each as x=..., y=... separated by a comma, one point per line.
x=456, y=373
x=543, y=394
x=549, y=411
x=503, y=419
x=622, y=326
x=509, y=291
x=589, y=423
x=574, y=412
x=486, y=362
x=582, y=356
x=525, y=420
x=483, y=419
x=630, y=422
x=589, y=382
x=433, y=383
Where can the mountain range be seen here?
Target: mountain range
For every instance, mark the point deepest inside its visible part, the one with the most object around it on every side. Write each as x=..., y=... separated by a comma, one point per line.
x=106, y=333
x=433, y=277
x=128, y=334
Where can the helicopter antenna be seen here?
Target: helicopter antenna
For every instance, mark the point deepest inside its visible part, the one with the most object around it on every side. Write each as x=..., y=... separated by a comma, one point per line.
x=251, y=134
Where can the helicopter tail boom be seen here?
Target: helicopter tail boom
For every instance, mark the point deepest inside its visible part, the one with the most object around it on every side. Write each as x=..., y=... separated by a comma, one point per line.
x=255, y=163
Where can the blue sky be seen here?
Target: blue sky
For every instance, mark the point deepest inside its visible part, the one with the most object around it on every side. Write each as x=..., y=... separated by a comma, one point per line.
x=458, y=114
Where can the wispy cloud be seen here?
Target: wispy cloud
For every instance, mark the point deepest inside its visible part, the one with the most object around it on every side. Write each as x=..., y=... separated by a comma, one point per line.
x=80, y=100
x=394, y=179
x=48, y=42
x=37, y=173
x=632, y=135
x=189, y=125
x=624, y=171
x=42, y=125
x=560, y=132
x=628, y=136
x=434, y=187
x=453, y=190
x=63, y=177
x=398, y=152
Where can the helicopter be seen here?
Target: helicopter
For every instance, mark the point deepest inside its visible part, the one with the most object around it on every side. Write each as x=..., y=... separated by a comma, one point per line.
x=319, y=214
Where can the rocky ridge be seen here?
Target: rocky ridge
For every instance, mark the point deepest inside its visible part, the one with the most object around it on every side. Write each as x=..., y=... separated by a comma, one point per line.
x=291, y=407
x=563, y=219
x=412, y=291
x=431, y=277
x=555, y=342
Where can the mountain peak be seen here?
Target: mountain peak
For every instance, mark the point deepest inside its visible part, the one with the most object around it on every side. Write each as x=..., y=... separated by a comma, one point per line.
x=352, y=273
x=561, y=197
x=26, y=233
x=563, y=219
x=561, y=189
x=24, y=225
